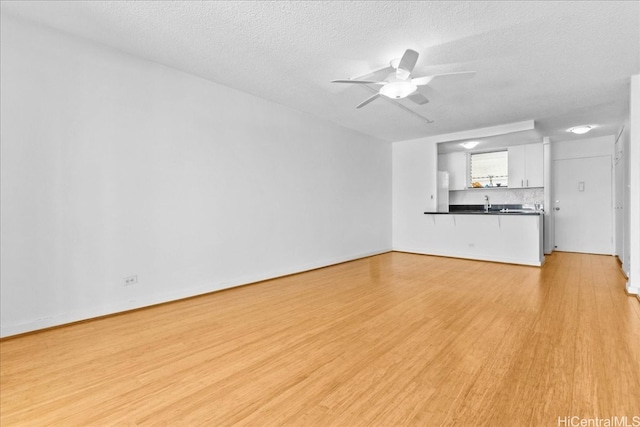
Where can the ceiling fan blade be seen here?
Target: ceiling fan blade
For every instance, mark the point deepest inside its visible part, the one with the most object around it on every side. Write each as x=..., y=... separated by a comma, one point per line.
x=407, y=62
x=421, y=81
x=362, y=82
x=418, y=98
x=368, y=100
x=459, y=75
x=378, y=74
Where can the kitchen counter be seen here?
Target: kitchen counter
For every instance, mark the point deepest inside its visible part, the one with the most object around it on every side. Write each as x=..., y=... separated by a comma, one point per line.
x=510, y=209
x=491, y=212
x=508, y=233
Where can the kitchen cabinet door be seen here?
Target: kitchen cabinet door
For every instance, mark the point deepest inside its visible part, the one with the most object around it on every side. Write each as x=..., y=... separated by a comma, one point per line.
x=533, y=165
x=516, y=166
x=526, y=166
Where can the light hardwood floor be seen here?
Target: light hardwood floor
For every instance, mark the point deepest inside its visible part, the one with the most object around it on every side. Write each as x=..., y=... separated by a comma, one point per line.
x=396, y=339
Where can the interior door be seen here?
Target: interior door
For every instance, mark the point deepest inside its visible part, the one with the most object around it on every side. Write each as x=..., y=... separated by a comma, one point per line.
x=583, y=205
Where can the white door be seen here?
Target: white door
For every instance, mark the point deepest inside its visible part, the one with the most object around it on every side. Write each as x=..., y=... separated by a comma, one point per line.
x=583, y=205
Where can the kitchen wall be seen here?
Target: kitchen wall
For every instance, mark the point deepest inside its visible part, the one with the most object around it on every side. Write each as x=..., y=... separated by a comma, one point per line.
x=456, y=164
x=414, y=193
x=497, y=196
x=114, y=166
x=415, y=166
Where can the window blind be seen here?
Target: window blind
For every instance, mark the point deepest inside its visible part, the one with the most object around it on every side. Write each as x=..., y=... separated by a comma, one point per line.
x=490, y=169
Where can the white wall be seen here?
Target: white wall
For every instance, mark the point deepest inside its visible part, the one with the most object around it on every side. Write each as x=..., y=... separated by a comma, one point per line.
x=114, y=166
x=415, y=165
x=584, y=147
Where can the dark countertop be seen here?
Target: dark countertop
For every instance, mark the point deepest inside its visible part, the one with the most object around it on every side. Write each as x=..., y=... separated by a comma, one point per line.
x=493, y=210
x=482, y=212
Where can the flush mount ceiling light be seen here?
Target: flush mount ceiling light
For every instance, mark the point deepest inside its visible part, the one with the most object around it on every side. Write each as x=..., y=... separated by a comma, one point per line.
x=470, y=144
x=579, y=130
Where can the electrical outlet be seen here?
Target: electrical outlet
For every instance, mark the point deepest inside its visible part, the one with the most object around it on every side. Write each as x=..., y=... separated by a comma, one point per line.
x=130, y=280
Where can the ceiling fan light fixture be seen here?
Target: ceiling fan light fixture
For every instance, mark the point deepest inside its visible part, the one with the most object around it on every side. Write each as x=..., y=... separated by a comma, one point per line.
x=398, y=90
x=399, y=84
x=470, y=144
x=579, y=130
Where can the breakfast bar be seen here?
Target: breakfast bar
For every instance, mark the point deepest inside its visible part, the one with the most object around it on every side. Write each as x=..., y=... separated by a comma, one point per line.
x=501, y=234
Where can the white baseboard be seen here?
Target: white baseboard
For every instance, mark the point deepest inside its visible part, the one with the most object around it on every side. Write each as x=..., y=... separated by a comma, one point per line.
x=632, y=290
x=476, y=257
x=149, y=300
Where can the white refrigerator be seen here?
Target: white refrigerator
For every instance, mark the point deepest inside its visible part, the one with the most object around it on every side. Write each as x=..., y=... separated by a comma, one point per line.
x=443, y=192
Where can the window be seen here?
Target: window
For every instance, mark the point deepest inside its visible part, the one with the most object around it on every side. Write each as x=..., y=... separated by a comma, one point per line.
x=489, y=169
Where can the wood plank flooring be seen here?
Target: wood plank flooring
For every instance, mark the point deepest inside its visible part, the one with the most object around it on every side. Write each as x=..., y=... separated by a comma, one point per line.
x=395, y=339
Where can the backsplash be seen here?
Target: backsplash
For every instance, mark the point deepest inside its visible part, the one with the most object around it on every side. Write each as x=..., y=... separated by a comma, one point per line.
x=496, y=195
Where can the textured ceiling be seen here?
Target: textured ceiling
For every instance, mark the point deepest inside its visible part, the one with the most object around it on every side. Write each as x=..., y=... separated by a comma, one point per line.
x=558, y=63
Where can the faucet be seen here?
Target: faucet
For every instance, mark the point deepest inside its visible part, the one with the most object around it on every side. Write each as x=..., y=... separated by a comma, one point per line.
x=487, y=205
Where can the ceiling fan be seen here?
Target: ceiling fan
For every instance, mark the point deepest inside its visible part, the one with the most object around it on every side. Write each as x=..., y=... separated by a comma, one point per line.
x=399, y=84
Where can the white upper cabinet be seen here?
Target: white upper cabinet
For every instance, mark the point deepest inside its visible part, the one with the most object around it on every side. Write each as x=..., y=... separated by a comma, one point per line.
x=526, y=166
x=456, y=165
x=534, y=165
x=516, y=166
